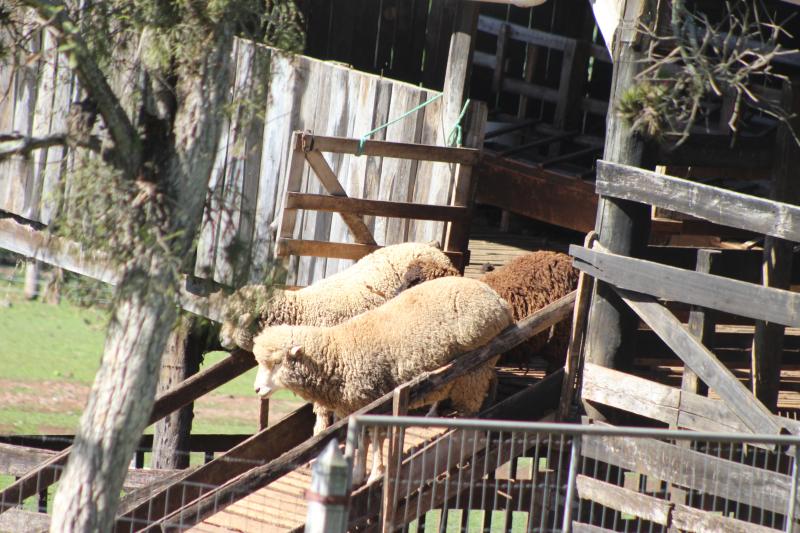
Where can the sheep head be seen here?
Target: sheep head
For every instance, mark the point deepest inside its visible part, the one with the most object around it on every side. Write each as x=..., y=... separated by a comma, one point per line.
x=244, y=313
x=274, y=350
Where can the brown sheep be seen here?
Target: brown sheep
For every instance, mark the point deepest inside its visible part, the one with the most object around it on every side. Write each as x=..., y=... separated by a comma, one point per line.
x=529, y=283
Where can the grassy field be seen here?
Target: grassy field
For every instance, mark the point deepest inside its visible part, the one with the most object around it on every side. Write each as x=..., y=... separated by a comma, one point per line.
x=48, y=358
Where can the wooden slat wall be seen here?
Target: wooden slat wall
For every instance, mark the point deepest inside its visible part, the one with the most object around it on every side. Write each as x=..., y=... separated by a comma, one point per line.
x=248, y=180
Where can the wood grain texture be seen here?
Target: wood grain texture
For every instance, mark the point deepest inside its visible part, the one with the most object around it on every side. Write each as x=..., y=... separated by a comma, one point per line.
x=624, y=500
x=696, y=288
x=357, y=206
x=717, y=205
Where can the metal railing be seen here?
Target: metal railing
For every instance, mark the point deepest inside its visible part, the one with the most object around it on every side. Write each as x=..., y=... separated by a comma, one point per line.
x=487, y=475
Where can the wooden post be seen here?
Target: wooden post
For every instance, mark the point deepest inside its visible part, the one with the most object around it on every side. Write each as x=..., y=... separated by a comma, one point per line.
x=330, y=489
x=181, y=360
x=621, y=225
x=776, y=267
x=399, y=408
x=31, y=279
x=702, y=324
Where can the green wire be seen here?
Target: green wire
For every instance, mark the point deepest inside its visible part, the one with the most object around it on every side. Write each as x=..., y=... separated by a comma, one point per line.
x=453, y=138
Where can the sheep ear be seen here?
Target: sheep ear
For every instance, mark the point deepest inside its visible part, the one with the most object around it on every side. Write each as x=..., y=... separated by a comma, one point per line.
x=295, y=352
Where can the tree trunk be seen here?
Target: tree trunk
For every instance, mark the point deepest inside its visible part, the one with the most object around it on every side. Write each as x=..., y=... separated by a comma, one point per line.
x=181, y=360
x=122, y=396
x=119, y=404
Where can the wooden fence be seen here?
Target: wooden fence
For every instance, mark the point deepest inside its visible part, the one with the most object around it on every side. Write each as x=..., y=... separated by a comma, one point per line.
x=291, y=93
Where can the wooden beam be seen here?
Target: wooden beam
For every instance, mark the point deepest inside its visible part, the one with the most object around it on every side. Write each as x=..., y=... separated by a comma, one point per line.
x=537, y=193
x=24, y=521
x=334, y=204
x=702, y=324
x=702, y=472
x=262, y=447
x=624, y=500
x=420, y=152
x=341, y=250
x=621, y=226
x=578, y=527
x=693, y=520
x=666, y=404
x=708, y=368
x=361, y=232
x=696, y=288
x=718, y=205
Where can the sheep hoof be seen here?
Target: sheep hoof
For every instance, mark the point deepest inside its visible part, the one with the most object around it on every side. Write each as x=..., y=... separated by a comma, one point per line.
x=376, y=474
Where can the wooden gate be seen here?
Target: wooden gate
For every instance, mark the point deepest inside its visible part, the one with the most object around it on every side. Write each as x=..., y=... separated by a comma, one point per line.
x=308, y=148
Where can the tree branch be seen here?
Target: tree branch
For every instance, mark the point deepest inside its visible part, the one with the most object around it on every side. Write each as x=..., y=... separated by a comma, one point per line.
x=19, y=144
x=128, y=150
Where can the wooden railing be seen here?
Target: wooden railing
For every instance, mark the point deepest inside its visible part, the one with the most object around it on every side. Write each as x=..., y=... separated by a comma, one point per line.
x=308, y=149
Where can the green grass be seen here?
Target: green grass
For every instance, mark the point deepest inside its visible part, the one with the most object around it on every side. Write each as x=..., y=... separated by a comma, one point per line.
x=51, y=350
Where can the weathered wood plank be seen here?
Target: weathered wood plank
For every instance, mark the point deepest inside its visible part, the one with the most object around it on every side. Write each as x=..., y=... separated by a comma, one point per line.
x=714, y=476
x=403, y=150
x=331, y=183
x=240, y=189
x=623, y=500
x=208, y=234
x=718, y=205
x=693, y=520
x=399, y=175
x=336, y=249
x=578, y=527
x=707, y=367
x=696, y=288
x=357, y=206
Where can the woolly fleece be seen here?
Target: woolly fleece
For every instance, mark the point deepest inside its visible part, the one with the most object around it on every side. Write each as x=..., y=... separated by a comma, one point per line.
x=368, y=283
x=529, y=283
x=347, y=366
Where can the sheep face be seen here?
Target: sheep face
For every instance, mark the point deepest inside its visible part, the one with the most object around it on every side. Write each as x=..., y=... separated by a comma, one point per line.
x=271, y=369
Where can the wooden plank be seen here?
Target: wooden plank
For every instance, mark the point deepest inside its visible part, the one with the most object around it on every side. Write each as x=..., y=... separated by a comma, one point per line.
x=693, y=520
x=536, y=193
x=521, y=33
x=321, y=87
x=721, y=206
x=262, y=447
x=294, y=170
x=19, y=460
x=56, y=155
x=337, y=249
x=286, y=77
x=631, y=393
x=402, y=150
x=399, y=175
x=208, y=233
x=696, y=288
x=701, y=324
x=351, y=182
x=623, y=500
x=357, y=206
x=240, y=190
x=331, y=183
x=687, y=468
x=374, y=164
x=578, y=527
x=707, y=367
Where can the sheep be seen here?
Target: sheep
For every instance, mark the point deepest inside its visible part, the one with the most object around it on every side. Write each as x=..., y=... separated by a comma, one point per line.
x=368, y=283
x=530, y=282
x=346, y=367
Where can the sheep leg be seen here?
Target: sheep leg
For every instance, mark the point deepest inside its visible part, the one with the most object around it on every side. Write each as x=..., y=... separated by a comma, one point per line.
x=360, y=459
x=378, y=436
x=323, y=420
x=434, y=410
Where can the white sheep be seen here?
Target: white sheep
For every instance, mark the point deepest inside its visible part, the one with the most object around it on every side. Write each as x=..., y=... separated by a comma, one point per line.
x=368, y=283
x=345, y=367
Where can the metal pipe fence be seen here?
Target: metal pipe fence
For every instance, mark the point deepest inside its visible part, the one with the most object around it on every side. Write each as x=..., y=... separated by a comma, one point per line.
x=479, y=475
